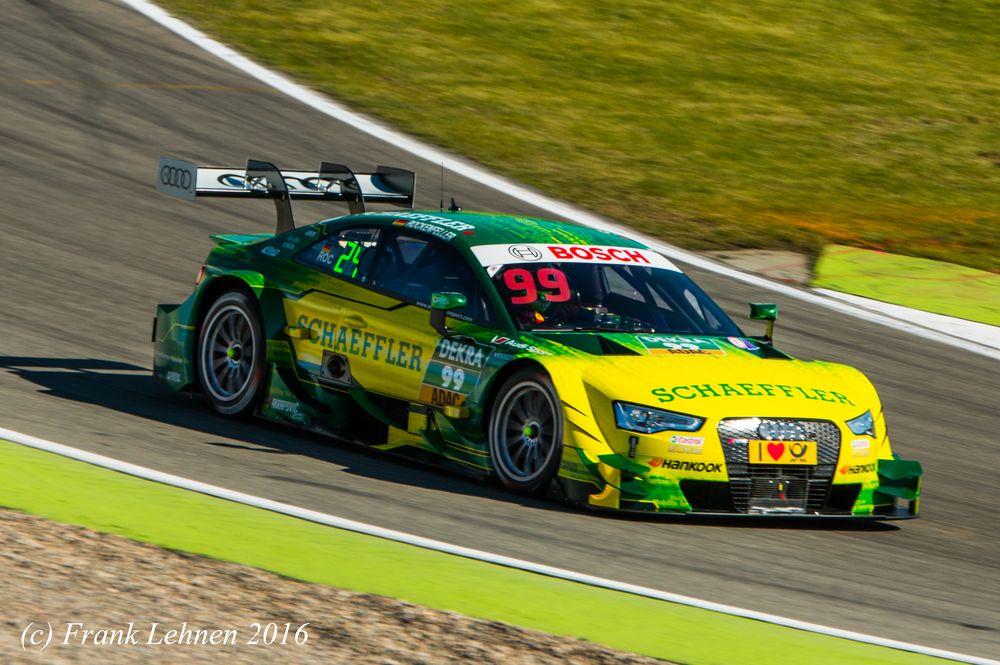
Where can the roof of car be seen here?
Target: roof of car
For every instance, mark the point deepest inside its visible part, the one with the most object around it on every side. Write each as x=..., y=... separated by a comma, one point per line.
x=471, y=229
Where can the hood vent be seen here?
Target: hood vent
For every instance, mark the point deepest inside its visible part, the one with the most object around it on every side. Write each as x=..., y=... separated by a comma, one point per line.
x=588, y=342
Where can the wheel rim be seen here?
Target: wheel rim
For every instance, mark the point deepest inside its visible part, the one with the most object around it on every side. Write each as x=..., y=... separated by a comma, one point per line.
x=525, y=431
x=227, y=355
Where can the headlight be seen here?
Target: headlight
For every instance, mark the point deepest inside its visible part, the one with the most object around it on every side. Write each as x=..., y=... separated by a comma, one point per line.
x=638, y=418
x=863, y=424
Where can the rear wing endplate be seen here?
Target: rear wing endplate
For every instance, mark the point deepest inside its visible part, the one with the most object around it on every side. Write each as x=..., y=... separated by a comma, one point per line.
x=263, y=180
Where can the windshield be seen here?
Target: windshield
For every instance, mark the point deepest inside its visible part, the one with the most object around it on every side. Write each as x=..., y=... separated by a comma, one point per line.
x=613, y=297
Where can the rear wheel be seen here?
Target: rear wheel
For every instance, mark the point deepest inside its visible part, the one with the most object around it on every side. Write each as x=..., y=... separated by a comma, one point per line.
x=525, y=434
x=231, y=354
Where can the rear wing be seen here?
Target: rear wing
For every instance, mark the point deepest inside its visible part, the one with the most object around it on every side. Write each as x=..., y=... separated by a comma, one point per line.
x=263, y=180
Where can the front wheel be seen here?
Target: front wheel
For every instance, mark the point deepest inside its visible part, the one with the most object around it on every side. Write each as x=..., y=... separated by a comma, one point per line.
x=231, y=354
x=525, y=434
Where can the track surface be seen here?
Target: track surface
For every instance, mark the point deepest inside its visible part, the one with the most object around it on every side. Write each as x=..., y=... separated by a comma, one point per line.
x=92, y=94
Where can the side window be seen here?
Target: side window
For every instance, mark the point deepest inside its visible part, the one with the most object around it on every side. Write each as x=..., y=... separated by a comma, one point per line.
x=398, y=256
x=347, y=255
x=413, y=268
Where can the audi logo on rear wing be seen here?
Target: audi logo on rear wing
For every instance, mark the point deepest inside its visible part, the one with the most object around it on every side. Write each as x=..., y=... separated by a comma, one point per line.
x=177, y=177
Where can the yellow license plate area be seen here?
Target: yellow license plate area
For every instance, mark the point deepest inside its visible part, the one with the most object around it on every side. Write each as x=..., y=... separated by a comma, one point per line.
x=781, y=452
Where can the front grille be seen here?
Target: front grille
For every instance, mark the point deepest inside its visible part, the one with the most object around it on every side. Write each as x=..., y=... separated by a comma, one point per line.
x=758, y=488
x=735, y=432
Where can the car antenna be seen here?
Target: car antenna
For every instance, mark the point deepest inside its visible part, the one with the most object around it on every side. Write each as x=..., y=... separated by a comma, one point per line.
x=454, y=207
x=441, y=205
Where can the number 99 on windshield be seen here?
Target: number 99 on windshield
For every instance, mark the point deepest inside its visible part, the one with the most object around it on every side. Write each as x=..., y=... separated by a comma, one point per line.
x=524, y=286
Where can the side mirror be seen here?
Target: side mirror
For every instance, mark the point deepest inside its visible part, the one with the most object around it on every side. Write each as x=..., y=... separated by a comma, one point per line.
x=441, y=303
x=760, y=311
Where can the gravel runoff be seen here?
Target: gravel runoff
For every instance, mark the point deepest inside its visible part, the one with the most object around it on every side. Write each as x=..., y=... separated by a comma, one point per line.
x=77, y=580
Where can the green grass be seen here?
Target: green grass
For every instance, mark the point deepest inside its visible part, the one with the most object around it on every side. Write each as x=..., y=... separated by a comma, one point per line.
x=933, y=286
x=76, y=493
x=716, y=124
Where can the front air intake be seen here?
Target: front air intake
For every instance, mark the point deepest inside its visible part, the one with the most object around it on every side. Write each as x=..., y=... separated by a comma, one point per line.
x=779, y=488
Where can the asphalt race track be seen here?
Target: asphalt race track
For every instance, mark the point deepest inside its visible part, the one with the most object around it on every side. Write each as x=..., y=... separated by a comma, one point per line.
x=92, y=94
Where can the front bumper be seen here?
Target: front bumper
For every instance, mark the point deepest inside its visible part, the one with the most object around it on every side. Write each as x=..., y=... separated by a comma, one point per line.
x=615, y=482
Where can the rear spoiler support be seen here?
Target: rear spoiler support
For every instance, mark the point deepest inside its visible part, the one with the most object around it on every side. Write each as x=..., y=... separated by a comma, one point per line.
x=268, y=174
x=331, y=182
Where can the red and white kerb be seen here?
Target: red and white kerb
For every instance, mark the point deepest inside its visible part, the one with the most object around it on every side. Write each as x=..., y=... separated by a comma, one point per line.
x=492, y=255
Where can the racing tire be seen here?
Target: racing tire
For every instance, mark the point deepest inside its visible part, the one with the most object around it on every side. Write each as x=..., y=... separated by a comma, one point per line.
x=230, y=356
x=525, y=432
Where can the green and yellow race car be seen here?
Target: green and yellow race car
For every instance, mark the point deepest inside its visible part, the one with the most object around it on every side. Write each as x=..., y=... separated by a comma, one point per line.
x=559, y=358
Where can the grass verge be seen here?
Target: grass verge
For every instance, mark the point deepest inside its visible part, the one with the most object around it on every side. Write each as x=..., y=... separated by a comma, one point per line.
x=720, y=124
x=932, y=286
x=73, y=492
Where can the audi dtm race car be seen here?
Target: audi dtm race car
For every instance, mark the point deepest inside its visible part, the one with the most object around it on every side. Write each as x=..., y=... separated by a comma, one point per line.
x=559, y=358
